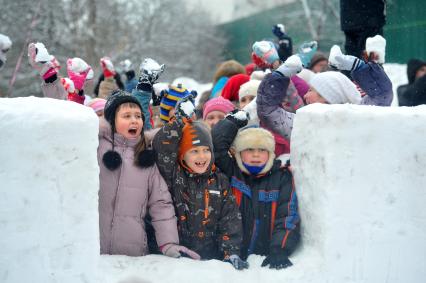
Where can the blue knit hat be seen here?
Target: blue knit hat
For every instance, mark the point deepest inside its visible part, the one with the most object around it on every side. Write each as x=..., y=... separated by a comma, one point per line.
x=169, y=99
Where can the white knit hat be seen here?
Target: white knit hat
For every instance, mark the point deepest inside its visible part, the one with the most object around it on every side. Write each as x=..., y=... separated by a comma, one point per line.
x=336, y=88
x=254, y=137
x=248, y=88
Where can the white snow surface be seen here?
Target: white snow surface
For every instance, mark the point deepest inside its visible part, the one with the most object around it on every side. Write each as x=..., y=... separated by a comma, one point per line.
x=359, y=174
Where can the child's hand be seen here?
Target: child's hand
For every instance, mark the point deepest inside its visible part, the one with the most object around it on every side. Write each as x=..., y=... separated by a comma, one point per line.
x=78, y=71
x=277, y=261
x=278, y=30
x=291, y=66
x=185, y=108
x=174, y=250
x=342, y=62
x=306, y=51
x=237, y=262
x=40, y=59
x=239, y=117
x=150, y=71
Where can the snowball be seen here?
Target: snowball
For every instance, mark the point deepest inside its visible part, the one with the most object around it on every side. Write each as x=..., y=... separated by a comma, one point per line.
x=42, y=53
x=334, y=51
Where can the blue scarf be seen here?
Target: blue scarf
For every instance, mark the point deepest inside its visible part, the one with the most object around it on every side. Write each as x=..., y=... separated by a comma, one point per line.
x=254, y=170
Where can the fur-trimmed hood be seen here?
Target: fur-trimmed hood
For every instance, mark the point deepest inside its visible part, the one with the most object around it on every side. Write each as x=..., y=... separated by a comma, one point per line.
x=254, y=137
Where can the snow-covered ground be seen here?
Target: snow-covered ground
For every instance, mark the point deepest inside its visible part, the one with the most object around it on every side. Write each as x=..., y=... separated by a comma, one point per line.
x=359, y=172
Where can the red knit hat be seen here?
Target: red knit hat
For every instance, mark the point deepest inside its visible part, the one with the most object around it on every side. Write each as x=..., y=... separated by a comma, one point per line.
x=232, y=86
x=217, y=104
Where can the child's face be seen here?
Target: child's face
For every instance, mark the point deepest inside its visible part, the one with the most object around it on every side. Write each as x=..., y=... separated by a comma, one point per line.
x=213, y=117
x=255, y=156
x=246, y=100
x=312, y=96
x=198, y=158
x=128, y=121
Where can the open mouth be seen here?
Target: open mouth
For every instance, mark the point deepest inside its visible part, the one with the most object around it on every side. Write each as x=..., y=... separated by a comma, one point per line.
x=133, y=131
x=200, y=164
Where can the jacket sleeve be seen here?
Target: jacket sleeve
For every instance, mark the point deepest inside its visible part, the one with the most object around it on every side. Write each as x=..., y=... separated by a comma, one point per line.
x=161, y=210
x=373, y=80
x=118, y=80
x=144, y=98
x=96, y=90
x=286, y=233
x=166, y=144
x=230, y=223
x=270, y=94
x=54, y=89
x=223, y=135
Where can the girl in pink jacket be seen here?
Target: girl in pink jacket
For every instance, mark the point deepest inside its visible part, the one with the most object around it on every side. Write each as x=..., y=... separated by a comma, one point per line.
x=131, y=185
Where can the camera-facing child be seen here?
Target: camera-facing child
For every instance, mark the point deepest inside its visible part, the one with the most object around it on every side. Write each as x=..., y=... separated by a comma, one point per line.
x=208, y=219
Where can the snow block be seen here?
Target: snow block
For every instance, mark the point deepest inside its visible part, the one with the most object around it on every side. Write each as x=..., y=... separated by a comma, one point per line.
x=360, y=178
x=49, y=180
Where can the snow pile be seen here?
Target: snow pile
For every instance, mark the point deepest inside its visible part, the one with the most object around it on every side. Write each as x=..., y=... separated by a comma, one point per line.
x=48, y=191
x=359, y=173
x=360, y=178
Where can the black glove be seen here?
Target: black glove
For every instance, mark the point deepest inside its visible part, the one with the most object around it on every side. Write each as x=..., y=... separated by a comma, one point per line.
x=185, y=108
x=149, y=72
x=277, y=261
x=279, y=31
x=237, y=262
x=239, y=117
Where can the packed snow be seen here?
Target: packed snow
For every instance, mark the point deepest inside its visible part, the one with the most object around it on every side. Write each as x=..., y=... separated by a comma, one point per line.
x=359, y=173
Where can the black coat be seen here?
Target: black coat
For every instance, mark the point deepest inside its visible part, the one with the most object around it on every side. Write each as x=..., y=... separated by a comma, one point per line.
x=413, y=94
x=358, y=14
x=209, y=221
x=268, y=203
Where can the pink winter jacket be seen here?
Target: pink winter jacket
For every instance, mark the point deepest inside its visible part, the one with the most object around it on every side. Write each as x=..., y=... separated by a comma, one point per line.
x=125, y=195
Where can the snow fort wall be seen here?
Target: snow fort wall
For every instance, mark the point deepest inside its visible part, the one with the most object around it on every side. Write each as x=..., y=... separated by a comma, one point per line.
x=360, y=178
x=49, y=180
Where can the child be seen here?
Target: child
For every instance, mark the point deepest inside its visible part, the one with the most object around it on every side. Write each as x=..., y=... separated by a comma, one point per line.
x=208, y=219
x=215, y=110
x=264, y=190
x=131, y=185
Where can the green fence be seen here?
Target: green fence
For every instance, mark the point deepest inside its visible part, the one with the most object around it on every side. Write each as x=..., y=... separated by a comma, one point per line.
x=405, y=30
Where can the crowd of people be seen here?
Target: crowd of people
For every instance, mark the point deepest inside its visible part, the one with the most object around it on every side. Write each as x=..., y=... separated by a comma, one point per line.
x=212, y=180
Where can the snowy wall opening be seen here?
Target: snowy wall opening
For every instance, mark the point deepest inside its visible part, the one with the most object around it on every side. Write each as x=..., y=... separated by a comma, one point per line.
x=361, y=181
x=359, y=173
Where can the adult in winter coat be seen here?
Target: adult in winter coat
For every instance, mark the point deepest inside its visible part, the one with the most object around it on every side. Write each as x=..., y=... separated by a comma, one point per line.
x=208, y=219
x=327, y=87
x=361, y=19
x=131, y=185
x=263, y=188
x=413, y=93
